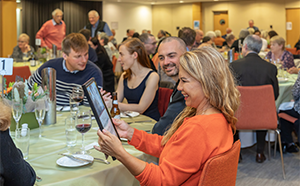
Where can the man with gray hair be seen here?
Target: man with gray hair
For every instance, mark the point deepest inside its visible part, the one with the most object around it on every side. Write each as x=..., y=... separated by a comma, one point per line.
x=199, y=37
x=97, y=25
x=53, y=31
x=254, y=71
x=169, y=52
x=149, y=42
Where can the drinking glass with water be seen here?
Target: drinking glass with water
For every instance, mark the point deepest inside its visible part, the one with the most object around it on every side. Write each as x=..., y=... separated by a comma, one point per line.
x=22, y=141
x=70, y=130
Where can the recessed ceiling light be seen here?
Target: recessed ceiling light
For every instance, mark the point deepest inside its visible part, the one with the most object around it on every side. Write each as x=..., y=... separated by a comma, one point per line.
x=181, y=1
x=152, y=3
x=216, y=0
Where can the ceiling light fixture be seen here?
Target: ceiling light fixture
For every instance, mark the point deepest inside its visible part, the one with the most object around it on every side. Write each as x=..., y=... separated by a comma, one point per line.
x=152, y=3
x=216, y=0
x=181, y=1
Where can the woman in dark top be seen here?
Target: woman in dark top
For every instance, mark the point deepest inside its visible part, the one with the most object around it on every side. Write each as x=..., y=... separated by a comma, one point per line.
x=138, y=84
x=13, y=169
x=105, y=65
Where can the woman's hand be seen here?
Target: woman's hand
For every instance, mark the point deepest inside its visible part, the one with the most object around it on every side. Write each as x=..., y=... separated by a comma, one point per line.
x=27, y=47
x=124, y=130
x=293, y=70
x=107, y=97
x=109, y=144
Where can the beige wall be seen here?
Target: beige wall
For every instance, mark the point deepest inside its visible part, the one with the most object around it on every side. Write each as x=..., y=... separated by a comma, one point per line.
x=128, y=16
x=264, y=13
x=168, y=17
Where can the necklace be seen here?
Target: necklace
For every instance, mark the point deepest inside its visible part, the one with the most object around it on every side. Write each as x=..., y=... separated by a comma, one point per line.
x=205, y=110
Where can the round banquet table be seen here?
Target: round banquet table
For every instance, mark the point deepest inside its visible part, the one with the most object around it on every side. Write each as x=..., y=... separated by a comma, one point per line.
x=43, y=154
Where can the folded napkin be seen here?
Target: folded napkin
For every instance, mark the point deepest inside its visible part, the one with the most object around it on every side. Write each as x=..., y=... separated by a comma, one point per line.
x=286, y=106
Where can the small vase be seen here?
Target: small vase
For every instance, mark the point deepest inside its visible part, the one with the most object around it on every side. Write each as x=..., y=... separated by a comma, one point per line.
x=28, y=118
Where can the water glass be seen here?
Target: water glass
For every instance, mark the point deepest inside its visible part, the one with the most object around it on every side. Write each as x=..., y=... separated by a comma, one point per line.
x=40, y=108
x=70, y=130
x=22, y=139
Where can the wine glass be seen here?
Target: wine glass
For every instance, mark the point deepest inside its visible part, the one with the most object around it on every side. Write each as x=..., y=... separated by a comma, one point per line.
x=40, y=111
x=75, y=98
x=17, y=110
x=84, y=124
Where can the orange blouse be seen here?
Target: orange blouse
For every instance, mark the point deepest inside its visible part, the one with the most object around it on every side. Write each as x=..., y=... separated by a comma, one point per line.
x=182, y=159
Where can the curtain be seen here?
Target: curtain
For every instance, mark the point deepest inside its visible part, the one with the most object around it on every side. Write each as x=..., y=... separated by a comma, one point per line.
x=36, y=12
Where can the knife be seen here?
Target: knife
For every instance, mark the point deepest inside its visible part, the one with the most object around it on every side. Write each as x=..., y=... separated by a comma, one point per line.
x=76, y=158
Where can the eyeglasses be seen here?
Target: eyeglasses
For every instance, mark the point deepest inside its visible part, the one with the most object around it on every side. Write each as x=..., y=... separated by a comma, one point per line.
x=21, y=41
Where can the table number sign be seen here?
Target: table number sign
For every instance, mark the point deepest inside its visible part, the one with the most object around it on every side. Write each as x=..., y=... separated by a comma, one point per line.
x=6, y=66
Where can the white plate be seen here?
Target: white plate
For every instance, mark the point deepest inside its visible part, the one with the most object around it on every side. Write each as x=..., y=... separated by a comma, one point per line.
x=66, y=108
x=131, y=113
x=68, y=162
x=280, y=79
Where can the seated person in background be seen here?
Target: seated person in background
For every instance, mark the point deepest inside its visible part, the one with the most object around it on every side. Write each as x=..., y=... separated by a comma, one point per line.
x=201, y=131
x=287, y=127
x=136, y=35
x=251, y=70
x=105, y=65
x=92, y=53
x=14, y=170
x=109, y=47
x=212, y=36
x=207, y=42
x=219, y=40
x=139, y=83
x=264, y=41
x=73, y=69
x=23, y=49
x=251, y=31
x=242, y=35
x=229, y=41
x=278, y=53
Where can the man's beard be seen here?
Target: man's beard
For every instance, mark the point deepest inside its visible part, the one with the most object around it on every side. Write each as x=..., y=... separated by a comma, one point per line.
x=175, y=71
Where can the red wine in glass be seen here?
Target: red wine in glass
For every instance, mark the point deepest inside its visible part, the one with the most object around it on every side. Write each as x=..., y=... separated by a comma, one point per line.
x=83, y=128
x=77, y=99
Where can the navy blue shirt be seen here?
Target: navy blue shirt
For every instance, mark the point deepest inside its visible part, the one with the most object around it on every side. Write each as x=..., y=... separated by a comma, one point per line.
x=134, y=95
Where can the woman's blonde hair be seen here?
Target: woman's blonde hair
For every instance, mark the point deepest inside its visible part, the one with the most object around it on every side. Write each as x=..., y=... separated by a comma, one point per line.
x=208, y=66
x=279, y=40
x=5, y=116
x=251, y=31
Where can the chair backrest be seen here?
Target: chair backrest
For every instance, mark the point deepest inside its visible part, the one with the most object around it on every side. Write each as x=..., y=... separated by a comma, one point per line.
x=221, y=169
x=114, y=62
x=292, y=50
x=287, y=117
x=257, y=109
x=23, y=72
x=164, y=95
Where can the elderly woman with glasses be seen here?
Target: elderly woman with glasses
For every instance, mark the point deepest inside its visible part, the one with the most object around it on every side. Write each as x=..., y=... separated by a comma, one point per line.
x=278, y=53
x=22, y=49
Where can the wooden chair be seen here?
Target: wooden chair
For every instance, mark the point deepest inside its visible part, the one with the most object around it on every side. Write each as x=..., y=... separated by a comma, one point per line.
x=221, y=169
x=23, y=72
x=257, y=111
x=164, y=95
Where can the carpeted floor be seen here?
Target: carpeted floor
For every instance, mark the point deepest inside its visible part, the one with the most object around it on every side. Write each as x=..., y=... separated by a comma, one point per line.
x=268, y=173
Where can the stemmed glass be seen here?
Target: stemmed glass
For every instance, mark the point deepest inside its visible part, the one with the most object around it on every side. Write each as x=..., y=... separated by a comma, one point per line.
x=75, y=98
x=40, y=107
x=84, y=124
x=17, y=110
